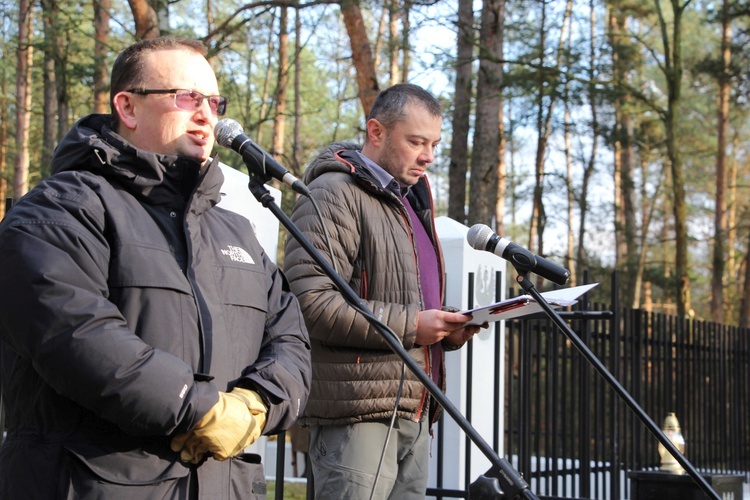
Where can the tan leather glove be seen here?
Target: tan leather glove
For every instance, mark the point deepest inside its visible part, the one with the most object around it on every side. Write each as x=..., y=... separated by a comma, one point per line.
x=231, y=425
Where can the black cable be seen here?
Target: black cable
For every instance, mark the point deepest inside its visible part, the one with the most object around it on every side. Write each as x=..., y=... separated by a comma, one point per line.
x=403, y=366
x=390, y=429
x=365, y=312
x=325, y=233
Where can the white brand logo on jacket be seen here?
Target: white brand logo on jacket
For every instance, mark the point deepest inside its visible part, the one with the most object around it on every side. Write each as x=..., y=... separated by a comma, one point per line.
x=238, y=254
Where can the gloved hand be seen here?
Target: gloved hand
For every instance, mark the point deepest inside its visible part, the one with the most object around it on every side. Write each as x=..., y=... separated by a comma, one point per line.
x=231, y=425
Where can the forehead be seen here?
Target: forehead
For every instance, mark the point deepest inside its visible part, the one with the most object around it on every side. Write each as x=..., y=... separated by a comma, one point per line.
x=179, y=69
x=419, y=121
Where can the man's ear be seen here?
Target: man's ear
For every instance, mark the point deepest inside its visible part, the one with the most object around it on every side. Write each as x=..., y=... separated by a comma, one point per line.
x=375, y=132
x=125, y=107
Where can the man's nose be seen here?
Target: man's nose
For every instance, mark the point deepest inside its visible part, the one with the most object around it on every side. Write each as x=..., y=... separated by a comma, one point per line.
x=427, y=155
x=204, y=113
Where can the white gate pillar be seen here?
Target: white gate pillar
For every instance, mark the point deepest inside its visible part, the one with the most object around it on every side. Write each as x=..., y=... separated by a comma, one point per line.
x=460, y=260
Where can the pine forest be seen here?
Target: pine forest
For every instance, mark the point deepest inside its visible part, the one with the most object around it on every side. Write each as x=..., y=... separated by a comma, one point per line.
x=603, y=135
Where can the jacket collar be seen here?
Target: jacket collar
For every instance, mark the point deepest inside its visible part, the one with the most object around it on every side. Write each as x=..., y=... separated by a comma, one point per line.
x=92, y=145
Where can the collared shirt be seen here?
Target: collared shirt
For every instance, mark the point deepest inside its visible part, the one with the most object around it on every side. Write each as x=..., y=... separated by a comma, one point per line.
x=385, y=178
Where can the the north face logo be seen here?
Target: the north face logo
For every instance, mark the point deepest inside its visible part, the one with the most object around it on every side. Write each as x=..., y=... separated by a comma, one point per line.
x=238, y=254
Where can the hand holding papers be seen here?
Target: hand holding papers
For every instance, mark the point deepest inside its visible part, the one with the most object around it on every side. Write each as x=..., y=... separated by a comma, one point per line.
x=523, y=305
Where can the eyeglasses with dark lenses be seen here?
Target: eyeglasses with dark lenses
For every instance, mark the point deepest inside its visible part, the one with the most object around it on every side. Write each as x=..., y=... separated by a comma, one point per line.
x=190, y=100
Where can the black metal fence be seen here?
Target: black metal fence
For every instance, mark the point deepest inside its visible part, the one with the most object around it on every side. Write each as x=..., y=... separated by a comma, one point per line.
x=568, y=432
x=573, y=434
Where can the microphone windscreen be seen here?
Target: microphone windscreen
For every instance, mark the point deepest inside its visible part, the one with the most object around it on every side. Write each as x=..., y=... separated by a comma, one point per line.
x=478, y=236
x=226, y=131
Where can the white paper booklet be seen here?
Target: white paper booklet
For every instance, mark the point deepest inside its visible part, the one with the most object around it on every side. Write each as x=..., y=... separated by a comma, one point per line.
x=524, y=305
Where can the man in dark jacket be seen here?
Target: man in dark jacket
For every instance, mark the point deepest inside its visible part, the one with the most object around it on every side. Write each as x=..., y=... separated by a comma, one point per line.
x=146, y=338
x=377, y=211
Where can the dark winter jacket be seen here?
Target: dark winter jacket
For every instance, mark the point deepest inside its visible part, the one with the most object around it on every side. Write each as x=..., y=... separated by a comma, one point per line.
x=127, y=301
x=355, y=373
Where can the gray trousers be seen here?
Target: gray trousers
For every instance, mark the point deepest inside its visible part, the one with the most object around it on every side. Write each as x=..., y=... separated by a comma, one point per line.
x=345, y=460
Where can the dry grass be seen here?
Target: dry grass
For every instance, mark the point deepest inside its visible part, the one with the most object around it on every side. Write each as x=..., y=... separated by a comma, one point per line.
x=292, y=491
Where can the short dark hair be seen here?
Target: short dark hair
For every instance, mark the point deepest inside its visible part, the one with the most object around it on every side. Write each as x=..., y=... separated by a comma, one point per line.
x=389, y=106
x=128, y=68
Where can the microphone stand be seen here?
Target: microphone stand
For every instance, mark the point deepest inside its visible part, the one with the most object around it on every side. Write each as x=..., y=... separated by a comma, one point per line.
x=510, y=481
x=528, y=287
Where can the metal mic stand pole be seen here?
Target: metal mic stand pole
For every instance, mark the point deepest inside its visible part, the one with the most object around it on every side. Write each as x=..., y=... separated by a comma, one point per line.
x=528, y=287
x=512, y=484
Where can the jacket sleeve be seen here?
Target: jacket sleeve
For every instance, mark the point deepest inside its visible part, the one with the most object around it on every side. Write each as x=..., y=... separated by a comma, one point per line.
x=329, y=317
x=55, y=315
x=283, y=370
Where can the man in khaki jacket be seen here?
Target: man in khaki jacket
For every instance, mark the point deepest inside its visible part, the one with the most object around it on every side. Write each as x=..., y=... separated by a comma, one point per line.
x=377, y=210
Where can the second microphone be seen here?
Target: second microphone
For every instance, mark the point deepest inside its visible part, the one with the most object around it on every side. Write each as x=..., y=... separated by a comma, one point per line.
x=481, y=237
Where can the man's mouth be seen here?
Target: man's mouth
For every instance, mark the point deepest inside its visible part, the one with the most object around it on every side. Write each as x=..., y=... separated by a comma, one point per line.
x=202, y=137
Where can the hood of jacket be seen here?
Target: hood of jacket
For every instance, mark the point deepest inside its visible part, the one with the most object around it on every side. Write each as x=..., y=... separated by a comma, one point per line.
x=342, y=157
x=328, y=161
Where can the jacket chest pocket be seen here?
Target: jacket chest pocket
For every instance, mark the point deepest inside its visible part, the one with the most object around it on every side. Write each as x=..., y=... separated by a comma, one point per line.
x=144, y=266
x=244, y=300
x=155, y=298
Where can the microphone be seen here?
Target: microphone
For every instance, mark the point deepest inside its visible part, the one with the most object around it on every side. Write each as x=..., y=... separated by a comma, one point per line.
x=481, y=237
x=229, y=134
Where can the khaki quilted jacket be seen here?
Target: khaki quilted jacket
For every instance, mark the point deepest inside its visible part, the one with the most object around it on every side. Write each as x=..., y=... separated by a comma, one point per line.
x=355, y=373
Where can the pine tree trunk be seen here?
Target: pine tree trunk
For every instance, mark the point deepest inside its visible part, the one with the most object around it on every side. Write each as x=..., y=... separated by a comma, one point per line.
x=484, y=157
x=367, y=81
x=458, y=167
x=24, y=62
x=101, y=47
x=263, y=111
x=282, y=81
x=52, y=46
x=722, y=115
x=673, y=74
x=393, y=43
x=146, y=21
x=3, y=139
x=405, y=46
